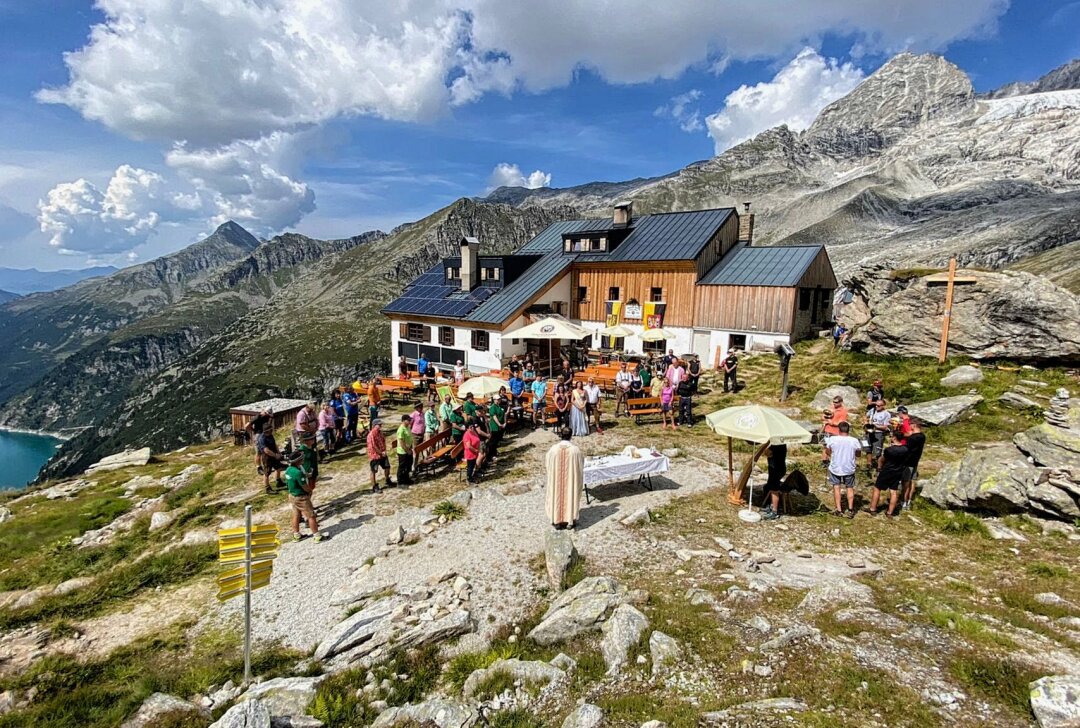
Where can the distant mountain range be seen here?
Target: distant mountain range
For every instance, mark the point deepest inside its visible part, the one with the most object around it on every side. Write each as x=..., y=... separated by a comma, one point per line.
x=910, y=168
x=31, y=280
x=6, y=296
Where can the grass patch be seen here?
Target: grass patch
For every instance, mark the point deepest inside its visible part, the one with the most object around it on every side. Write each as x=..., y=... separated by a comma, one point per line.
x=121, y=583
x=461, y=667
x=1047, y=571
x=637, y=707
x=337, y=702
x=449, y=510
x=517, y=718
x=103, y=692
x=574, y=573
x=1024, y=600
x=495, y=685
x=959, y=523
x=997, y=680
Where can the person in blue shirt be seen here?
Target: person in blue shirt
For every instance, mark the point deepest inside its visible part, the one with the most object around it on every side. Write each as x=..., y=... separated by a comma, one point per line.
x=339, y=417
x=422, y=365
x=352, y=413
x=517, y=387
x=539, y=404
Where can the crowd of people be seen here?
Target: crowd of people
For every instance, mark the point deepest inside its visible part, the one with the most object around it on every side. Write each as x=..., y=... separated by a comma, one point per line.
x=893, y=447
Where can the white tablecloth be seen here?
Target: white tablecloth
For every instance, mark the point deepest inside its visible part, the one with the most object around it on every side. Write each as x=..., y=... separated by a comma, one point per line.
x=610, y=468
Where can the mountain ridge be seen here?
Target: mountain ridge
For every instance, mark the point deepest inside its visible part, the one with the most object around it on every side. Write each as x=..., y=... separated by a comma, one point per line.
x=24, y=281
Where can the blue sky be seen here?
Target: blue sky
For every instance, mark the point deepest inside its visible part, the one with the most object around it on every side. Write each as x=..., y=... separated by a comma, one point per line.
x=333, y=117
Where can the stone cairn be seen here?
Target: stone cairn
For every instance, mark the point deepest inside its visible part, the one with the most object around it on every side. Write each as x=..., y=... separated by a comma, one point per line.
x=1057, y=413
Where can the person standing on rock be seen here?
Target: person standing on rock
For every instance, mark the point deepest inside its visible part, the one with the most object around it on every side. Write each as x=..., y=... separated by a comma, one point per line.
x=376, y=452
x=843, y=451
x=891, y=466
x=915, y=442
x=299, y=487
x=404, y=451
x=565, y=467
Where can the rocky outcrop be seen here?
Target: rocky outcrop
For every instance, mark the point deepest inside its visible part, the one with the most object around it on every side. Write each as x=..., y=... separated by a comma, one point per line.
x=248, y=714
x=622, y=631
x=439, y=712
x=944, y=411
x=1055, y=701
x=664, y=651
x=156, y=708
x=1039, y=473
x=529, y=673
x=963, y=376
x=586, y=715
x=1004, y=315
x=580, y=609
x=126, y=459
x=284, y=696
x=823, y=399
x=559, y=554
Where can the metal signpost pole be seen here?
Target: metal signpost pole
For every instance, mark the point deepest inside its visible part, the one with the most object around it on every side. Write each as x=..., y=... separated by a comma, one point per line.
x=247, y=595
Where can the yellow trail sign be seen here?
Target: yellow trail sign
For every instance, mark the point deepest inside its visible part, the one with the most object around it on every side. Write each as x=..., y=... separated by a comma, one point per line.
x=232, y=583
x=262, y=528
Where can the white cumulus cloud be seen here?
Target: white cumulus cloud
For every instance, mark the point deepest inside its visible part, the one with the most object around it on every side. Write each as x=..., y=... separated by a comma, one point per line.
x=793, y=97
x=510, y=175
x=683, y=108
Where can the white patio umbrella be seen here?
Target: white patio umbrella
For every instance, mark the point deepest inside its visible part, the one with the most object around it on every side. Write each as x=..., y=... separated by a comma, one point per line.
x=618, y=331
x=656, y=335
x=550, y=328
x=757, y=424
x=482, y=386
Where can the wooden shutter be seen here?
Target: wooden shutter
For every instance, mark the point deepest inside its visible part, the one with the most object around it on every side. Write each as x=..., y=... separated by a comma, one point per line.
x=427, y=334
x=403, y=331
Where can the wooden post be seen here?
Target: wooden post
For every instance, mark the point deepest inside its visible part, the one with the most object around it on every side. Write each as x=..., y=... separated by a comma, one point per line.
x=730, y=471
x=947, y=316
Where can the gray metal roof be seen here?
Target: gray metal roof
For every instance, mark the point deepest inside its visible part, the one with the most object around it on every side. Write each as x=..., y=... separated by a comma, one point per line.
x=762, y=266
x=666, y=236
x=501, y=306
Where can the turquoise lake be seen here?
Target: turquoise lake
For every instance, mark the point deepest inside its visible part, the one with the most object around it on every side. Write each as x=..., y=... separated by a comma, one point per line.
x=21, y=456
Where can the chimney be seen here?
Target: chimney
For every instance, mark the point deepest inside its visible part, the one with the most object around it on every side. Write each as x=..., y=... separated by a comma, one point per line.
x=470, y=263
x=623, y=214
x=746, y=225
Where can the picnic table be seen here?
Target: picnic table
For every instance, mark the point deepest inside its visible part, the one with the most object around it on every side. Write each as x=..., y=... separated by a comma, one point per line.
x=624, y=466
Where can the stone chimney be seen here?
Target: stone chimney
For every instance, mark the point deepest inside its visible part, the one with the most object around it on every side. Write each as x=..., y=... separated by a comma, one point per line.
x=470, y=263
x=746, y=225
x=623, y=214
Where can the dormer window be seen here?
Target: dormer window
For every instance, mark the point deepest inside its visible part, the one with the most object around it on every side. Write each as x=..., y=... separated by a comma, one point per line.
x=453, y=274
x=597, y=244
x=489, y=274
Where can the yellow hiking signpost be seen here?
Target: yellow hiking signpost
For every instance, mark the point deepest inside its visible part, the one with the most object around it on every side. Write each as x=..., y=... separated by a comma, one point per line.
x=253, y=549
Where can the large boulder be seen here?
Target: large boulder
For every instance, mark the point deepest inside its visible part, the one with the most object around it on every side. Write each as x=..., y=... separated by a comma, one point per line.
x=944, y=411
x=1004, y=315
x=823, y=399
x=964, y=376
x=1055, y=701
x=579, y=609
x=357, y=628
x=437, y=711
x=621, y=632
x=559, y=554
x=585, y=715
x=530, y=673
x=1052, y=447
x=284, y=696
x=248, y=714
x=664, y=650
x=156, y=707
x=126, y=459
x=830, y=595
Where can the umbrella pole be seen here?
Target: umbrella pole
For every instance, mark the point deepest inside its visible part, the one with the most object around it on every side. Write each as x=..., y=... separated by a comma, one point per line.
x=730, y=474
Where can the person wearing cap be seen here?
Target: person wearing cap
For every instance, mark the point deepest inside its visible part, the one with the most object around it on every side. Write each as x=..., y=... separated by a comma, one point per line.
x=376, y=452
x=300, y=487
x=307, y=420
x=404, y=450
x=417, y=424
x=457, y=423
x=496, y=426
x=431, y=423
x=310, y=462
x=876, y=392
x=469, y=408
x=263, y=422
x=831, y=417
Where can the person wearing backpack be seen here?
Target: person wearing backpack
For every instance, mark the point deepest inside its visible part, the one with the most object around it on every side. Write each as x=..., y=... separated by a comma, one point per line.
x=685, y=390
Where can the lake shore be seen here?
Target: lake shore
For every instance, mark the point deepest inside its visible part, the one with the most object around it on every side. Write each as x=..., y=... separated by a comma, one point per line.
x=43, y=433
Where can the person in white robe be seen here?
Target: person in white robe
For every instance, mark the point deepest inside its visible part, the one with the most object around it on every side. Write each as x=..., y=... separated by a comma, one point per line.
x=565, y=467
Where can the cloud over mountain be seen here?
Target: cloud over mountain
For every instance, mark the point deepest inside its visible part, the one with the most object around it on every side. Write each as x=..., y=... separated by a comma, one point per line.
x=510, y=175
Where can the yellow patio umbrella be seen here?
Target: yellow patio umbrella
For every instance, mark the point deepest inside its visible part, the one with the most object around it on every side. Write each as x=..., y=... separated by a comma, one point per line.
x=482, y=387
x=757, y=424
x=656, y=335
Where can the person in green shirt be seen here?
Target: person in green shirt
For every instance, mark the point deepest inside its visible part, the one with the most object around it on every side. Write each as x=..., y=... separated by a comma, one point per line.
x=310, y=462
x=646, y=377
x=469, y=408
x=446, y=409
x=431, y=423
x=405, y=444
x=496, y=427
x=299, y=487
x=457, y=424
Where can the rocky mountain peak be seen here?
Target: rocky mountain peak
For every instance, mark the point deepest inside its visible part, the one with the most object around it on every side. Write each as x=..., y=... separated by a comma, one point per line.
x=907, y=91
x=1062, y=78
x=235, y=234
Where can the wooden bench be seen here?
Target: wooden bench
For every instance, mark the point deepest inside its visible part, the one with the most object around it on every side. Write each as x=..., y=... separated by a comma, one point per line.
x=429, y=452
x=641, y=406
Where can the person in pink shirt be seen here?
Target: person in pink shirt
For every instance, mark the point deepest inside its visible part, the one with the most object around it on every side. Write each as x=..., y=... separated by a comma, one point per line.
x=675, y=373
x=667, y=399
x=416, y=423
x=326, y=429
x=307, y=420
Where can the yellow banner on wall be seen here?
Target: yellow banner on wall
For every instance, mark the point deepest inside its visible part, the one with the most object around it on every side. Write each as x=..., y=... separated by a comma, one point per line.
x=614, y=313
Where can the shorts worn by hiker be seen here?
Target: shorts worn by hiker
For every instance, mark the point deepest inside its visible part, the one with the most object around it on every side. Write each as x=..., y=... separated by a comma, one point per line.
x=302, y=505
x=383, y=462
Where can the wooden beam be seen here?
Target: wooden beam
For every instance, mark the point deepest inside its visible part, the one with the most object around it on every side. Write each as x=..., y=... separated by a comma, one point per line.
x=947, y=315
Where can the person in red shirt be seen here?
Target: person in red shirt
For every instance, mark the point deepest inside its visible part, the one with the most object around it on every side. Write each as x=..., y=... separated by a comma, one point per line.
x=377, y=457
x=903, y=429
x=473, y=456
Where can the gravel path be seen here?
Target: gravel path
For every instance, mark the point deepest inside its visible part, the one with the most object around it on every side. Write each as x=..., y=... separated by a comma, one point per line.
x=491, y=547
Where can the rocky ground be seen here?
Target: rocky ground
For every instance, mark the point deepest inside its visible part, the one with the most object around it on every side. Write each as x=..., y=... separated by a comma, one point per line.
x=660, y=606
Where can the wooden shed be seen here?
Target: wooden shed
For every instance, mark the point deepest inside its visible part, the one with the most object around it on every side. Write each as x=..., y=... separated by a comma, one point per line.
x=285, y=411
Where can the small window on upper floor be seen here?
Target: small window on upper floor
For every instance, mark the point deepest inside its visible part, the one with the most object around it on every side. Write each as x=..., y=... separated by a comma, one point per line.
x=613, y=294
x=452, y=273
x=656, y=294
x=489, y=274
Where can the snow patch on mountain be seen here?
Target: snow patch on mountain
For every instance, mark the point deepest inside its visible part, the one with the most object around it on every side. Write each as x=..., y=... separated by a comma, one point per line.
x=1015, y=107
